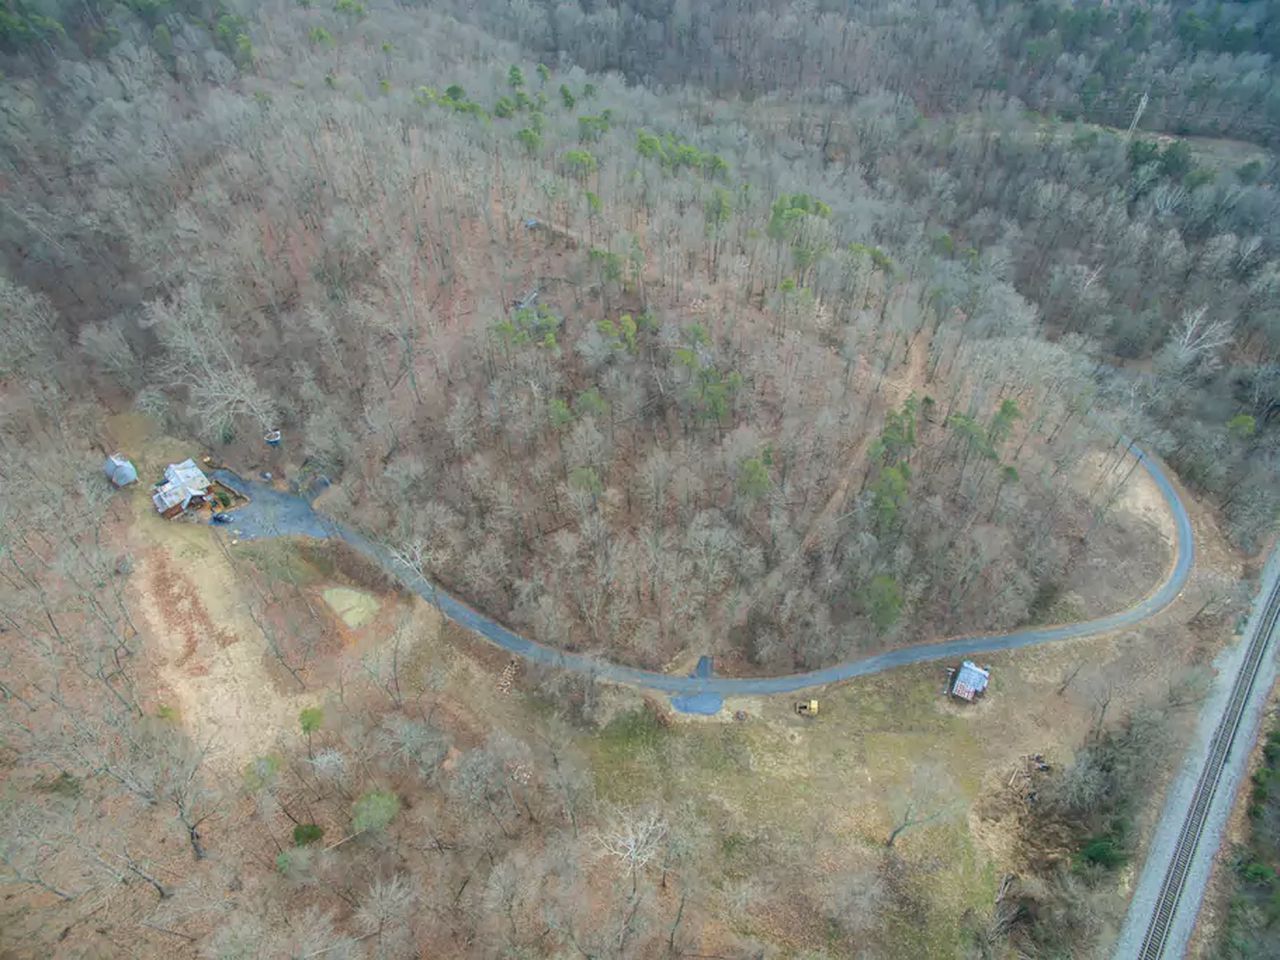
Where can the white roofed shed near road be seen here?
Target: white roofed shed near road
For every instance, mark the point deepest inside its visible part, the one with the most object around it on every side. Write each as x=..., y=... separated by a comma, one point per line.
x=970, y=681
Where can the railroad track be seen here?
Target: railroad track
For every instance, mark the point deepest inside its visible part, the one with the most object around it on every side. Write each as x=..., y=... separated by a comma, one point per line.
x=1157, y=935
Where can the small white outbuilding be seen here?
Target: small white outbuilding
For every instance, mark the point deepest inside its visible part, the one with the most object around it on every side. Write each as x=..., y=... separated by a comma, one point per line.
x=119, y=470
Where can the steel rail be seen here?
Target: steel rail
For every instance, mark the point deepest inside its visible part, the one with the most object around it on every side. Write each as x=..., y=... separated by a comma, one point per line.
x=1175, y=878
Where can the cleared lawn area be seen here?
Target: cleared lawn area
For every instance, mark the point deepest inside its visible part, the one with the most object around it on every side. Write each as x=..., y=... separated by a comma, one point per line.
x=794, y=802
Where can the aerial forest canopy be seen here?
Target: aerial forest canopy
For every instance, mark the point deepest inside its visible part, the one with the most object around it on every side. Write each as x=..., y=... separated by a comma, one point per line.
x=784, y=378
x=781, y=332
x=1206, y=67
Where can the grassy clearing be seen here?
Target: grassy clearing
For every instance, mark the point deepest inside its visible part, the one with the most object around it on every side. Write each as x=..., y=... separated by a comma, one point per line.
x=281, y=561
x=631, y=758
x=952, y=886
x=779, y=786
x=355, y=607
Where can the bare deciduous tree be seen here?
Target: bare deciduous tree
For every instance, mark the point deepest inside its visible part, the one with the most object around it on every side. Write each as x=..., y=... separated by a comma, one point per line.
x=634, y=838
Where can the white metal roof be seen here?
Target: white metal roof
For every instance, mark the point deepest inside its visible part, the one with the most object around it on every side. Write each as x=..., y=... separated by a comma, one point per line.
x=169, y=495
x=182, y=481
x=970, y=680
x=119, y=470
x=188, y=475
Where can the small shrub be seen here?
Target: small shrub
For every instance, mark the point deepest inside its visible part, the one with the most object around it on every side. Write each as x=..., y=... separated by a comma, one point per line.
x=310, y=719
x=375, y=811
x=734, y=846
x=307, y=833
x=1262, y=779
x=1103, y=852
x=260, y=773
x=1258, y=874
x=295, y=863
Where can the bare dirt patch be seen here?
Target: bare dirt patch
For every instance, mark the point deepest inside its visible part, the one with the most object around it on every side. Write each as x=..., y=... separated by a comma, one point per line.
x=178, y=605
x=1128, y=549
x=214, y=659
x=216, y=675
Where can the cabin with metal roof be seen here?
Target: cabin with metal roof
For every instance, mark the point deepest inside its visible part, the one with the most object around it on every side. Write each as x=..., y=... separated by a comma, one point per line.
x=970, y=681
x=184, y=486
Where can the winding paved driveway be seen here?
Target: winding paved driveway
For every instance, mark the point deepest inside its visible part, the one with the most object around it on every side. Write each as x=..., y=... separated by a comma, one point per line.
x=272, y=513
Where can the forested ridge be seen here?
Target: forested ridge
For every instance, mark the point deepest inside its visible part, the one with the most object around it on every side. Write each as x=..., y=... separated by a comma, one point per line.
x=1206, y=67
x=653, y=330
